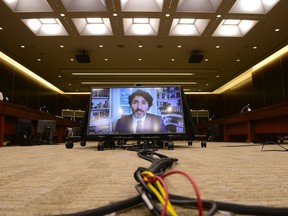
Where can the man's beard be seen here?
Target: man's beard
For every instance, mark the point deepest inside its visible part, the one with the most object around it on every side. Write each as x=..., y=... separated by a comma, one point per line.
x=138, y=113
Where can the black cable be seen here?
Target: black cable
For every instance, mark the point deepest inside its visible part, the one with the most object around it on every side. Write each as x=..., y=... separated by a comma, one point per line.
x=211, y=206
x=158, y=167
x=111, y=208
x=232, y=207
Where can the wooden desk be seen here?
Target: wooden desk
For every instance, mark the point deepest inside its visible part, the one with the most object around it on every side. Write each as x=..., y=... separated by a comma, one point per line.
x=252, y=125
x=9, y=113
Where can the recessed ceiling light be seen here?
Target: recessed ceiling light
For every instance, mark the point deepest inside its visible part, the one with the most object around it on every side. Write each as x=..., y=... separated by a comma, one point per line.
x=217, y=76
x=218, y=16
x=140, y=46
x=106, y=59
x=69, y=84
x=234, y=27
x=238, y=60
x=217, y=47
x=101, y=46
x=206, y=60
x=93, y=26
x=22, y=46
x=188, y=27
x=255, y=47
x=62, y=15
x=1, y=28
x=45, y=26
x=115, y=14
x=89, y=6
x=72, y=59
x=59, y=76
x=208, y=6
x=172, y=59
x=28, y=6
x=142, y=6
x=256, y=7
x=39, y=59
x=141, y=26
x=139, y=59
x=179, y=46
x=61, y=46
x=277, y=30
x=167, y=15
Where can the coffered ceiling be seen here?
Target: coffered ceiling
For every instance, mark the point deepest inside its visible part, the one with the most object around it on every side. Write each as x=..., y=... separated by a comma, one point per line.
x=135, y=41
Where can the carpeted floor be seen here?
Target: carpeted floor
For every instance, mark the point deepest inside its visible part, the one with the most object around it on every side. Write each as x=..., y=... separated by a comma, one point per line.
x=52, y=180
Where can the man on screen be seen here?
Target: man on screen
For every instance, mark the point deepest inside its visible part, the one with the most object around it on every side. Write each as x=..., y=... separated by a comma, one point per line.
x=140, y=121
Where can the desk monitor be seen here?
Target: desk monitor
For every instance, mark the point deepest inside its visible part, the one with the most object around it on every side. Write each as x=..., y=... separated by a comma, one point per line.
x=46, y=130
x=114, y=112
x=23, y=132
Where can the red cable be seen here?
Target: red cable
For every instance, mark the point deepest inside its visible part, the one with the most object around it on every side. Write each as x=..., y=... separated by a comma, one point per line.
x=199, y=201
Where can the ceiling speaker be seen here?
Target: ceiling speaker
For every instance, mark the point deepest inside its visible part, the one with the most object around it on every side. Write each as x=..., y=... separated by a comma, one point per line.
x=195, y=57
x=82, y=57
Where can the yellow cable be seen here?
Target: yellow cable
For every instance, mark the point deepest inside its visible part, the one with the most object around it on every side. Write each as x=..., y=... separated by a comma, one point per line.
x=162, y=200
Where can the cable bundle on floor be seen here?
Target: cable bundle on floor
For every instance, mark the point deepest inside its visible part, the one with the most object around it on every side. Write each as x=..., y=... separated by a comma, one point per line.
x=154, y=192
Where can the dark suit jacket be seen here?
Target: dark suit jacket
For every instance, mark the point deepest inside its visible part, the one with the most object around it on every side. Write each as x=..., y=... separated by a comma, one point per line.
x=153, y=124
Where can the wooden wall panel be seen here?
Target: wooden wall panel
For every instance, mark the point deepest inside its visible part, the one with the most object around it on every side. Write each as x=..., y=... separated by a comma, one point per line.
x=258, y=90
x=273, y=83
x=6, y=81
x=20, y=89
x=284, y=64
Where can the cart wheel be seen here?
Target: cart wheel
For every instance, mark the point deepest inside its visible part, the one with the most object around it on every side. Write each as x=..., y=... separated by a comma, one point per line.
x=113, y=145
x=170, y=145
x=100, y=146
x=69, y=145
x=165, y=143
x=83, y=143
x=203, y=144
x=190, y=142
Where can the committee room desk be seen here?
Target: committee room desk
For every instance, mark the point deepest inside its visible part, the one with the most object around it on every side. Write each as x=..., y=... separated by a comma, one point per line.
x=255, y=126
x=9, y=113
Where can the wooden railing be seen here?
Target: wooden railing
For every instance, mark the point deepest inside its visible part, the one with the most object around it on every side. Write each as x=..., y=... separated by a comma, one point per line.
x=252, y=125
x=9, y=113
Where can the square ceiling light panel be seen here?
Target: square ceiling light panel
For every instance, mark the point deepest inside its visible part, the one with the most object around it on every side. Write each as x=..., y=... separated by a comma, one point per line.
x=207, y=6
x=141, y=26
x=253, y=6
x=85, y=6
x=93, y=26
x=188, y=27
x=28, y=5
x=45, y=27
x=142, y=6
x=234, y=27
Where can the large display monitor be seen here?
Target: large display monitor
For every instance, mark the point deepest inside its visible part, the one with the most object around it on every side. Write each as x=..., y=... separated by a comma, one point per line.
x=116, y=111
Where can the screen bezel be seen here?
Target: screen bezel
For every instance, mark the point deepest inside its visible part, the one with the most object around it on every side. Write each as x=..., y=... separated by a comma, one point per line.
x=133, y=136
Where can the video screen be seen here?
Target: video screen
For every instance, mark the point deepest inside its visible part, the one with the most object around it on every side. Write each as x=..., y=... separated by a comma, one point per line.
x=136, y=110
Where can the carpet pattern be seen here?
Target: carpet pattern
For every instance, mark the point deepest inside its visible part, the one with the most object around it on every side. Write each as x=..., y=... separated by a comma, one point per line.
x=52, y=180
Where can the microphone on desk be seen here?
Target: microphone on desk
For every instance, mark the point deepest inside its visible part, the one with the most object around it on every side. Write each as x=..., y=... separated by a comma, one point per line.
x=211, y=117
x=246, y=107
x=42, y=108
